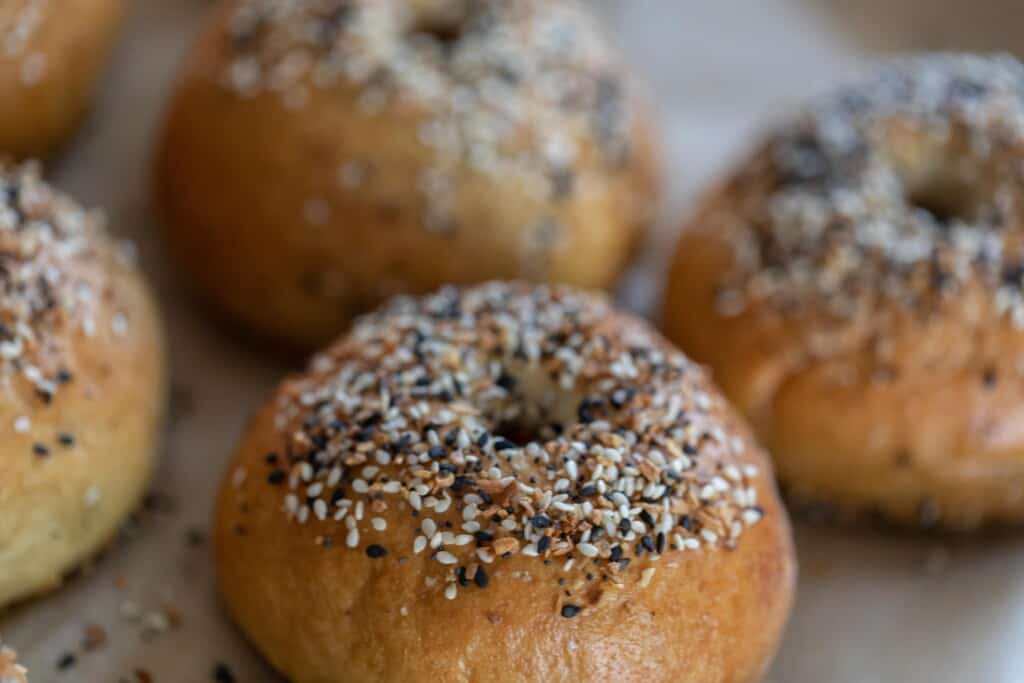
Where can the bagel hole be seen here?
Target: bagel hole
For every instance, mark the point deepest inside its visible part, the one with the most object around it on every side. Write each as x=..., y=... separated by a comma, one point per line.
x=442, y=20
x=948, y=199
x=523, y=432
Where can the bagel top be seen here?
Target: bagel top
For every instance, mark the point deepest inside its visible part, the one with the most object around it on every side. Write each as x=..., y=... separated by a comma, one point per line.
x=81, y=383
x=527, y=91
x=529, y=441
x=872, y=251
x=57, y=270
x=320, y=157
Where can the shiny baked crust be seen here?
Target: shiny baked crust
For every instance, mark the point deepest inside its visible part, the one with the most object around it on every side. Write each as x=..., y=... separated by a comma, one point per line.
x=504, y=483
x=319, y=157
x=51, y=54
x=856, y=288
x=81, y=384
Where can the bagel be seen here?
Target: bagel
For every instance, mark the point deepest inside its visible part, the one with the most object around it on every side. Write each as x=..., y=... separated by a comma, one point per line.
x=81, y=384
x=51, y=55
x=322, y=156
x=856, y=288
x=508, y=482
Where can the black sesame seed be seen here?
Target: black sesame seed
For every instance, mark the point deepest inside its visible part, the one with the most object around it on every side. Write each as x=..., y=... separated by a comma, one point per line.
x=543, y=544
x=646, y=518
x=64, y=376
x=588, y=490
x=501, y=444
x=375, y=551
x=42, y=450
x=570, y=611
x=482, y=440
x=540, y=521
x=481, y=579
x=337, y=496
x=659, y=542
x=689, y=449
x=647, y=542
x=460, y=575
x=437, y=452
x=270, y=458
x=585, y=412
x=483, y=537
x=65, y=439
x=616, y=553
x=66, y=661
x=624, y=526
x=506, y=382
x=686, y=522
x=277, y=477
x=366, y=434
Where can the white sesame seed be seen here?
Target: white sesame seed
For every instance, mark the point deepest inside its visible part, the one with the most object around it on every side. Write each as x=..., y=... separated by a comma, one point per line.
x=92, y=496
x=352, y=540
x=419, y=545
x=646, y=576
x=445, y=557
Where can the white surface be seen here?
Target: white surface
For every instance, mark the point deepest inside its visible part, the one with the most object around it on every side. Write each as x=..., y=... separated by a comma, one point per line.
x=870, y=607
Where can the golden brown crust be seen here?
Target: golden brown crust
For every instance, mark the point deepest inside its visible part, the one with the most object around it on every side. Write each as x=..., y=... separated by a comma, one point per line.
x=81, y=386
x=295, y=207
x=880, y=381
x=51, y=54
x=329, y=600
